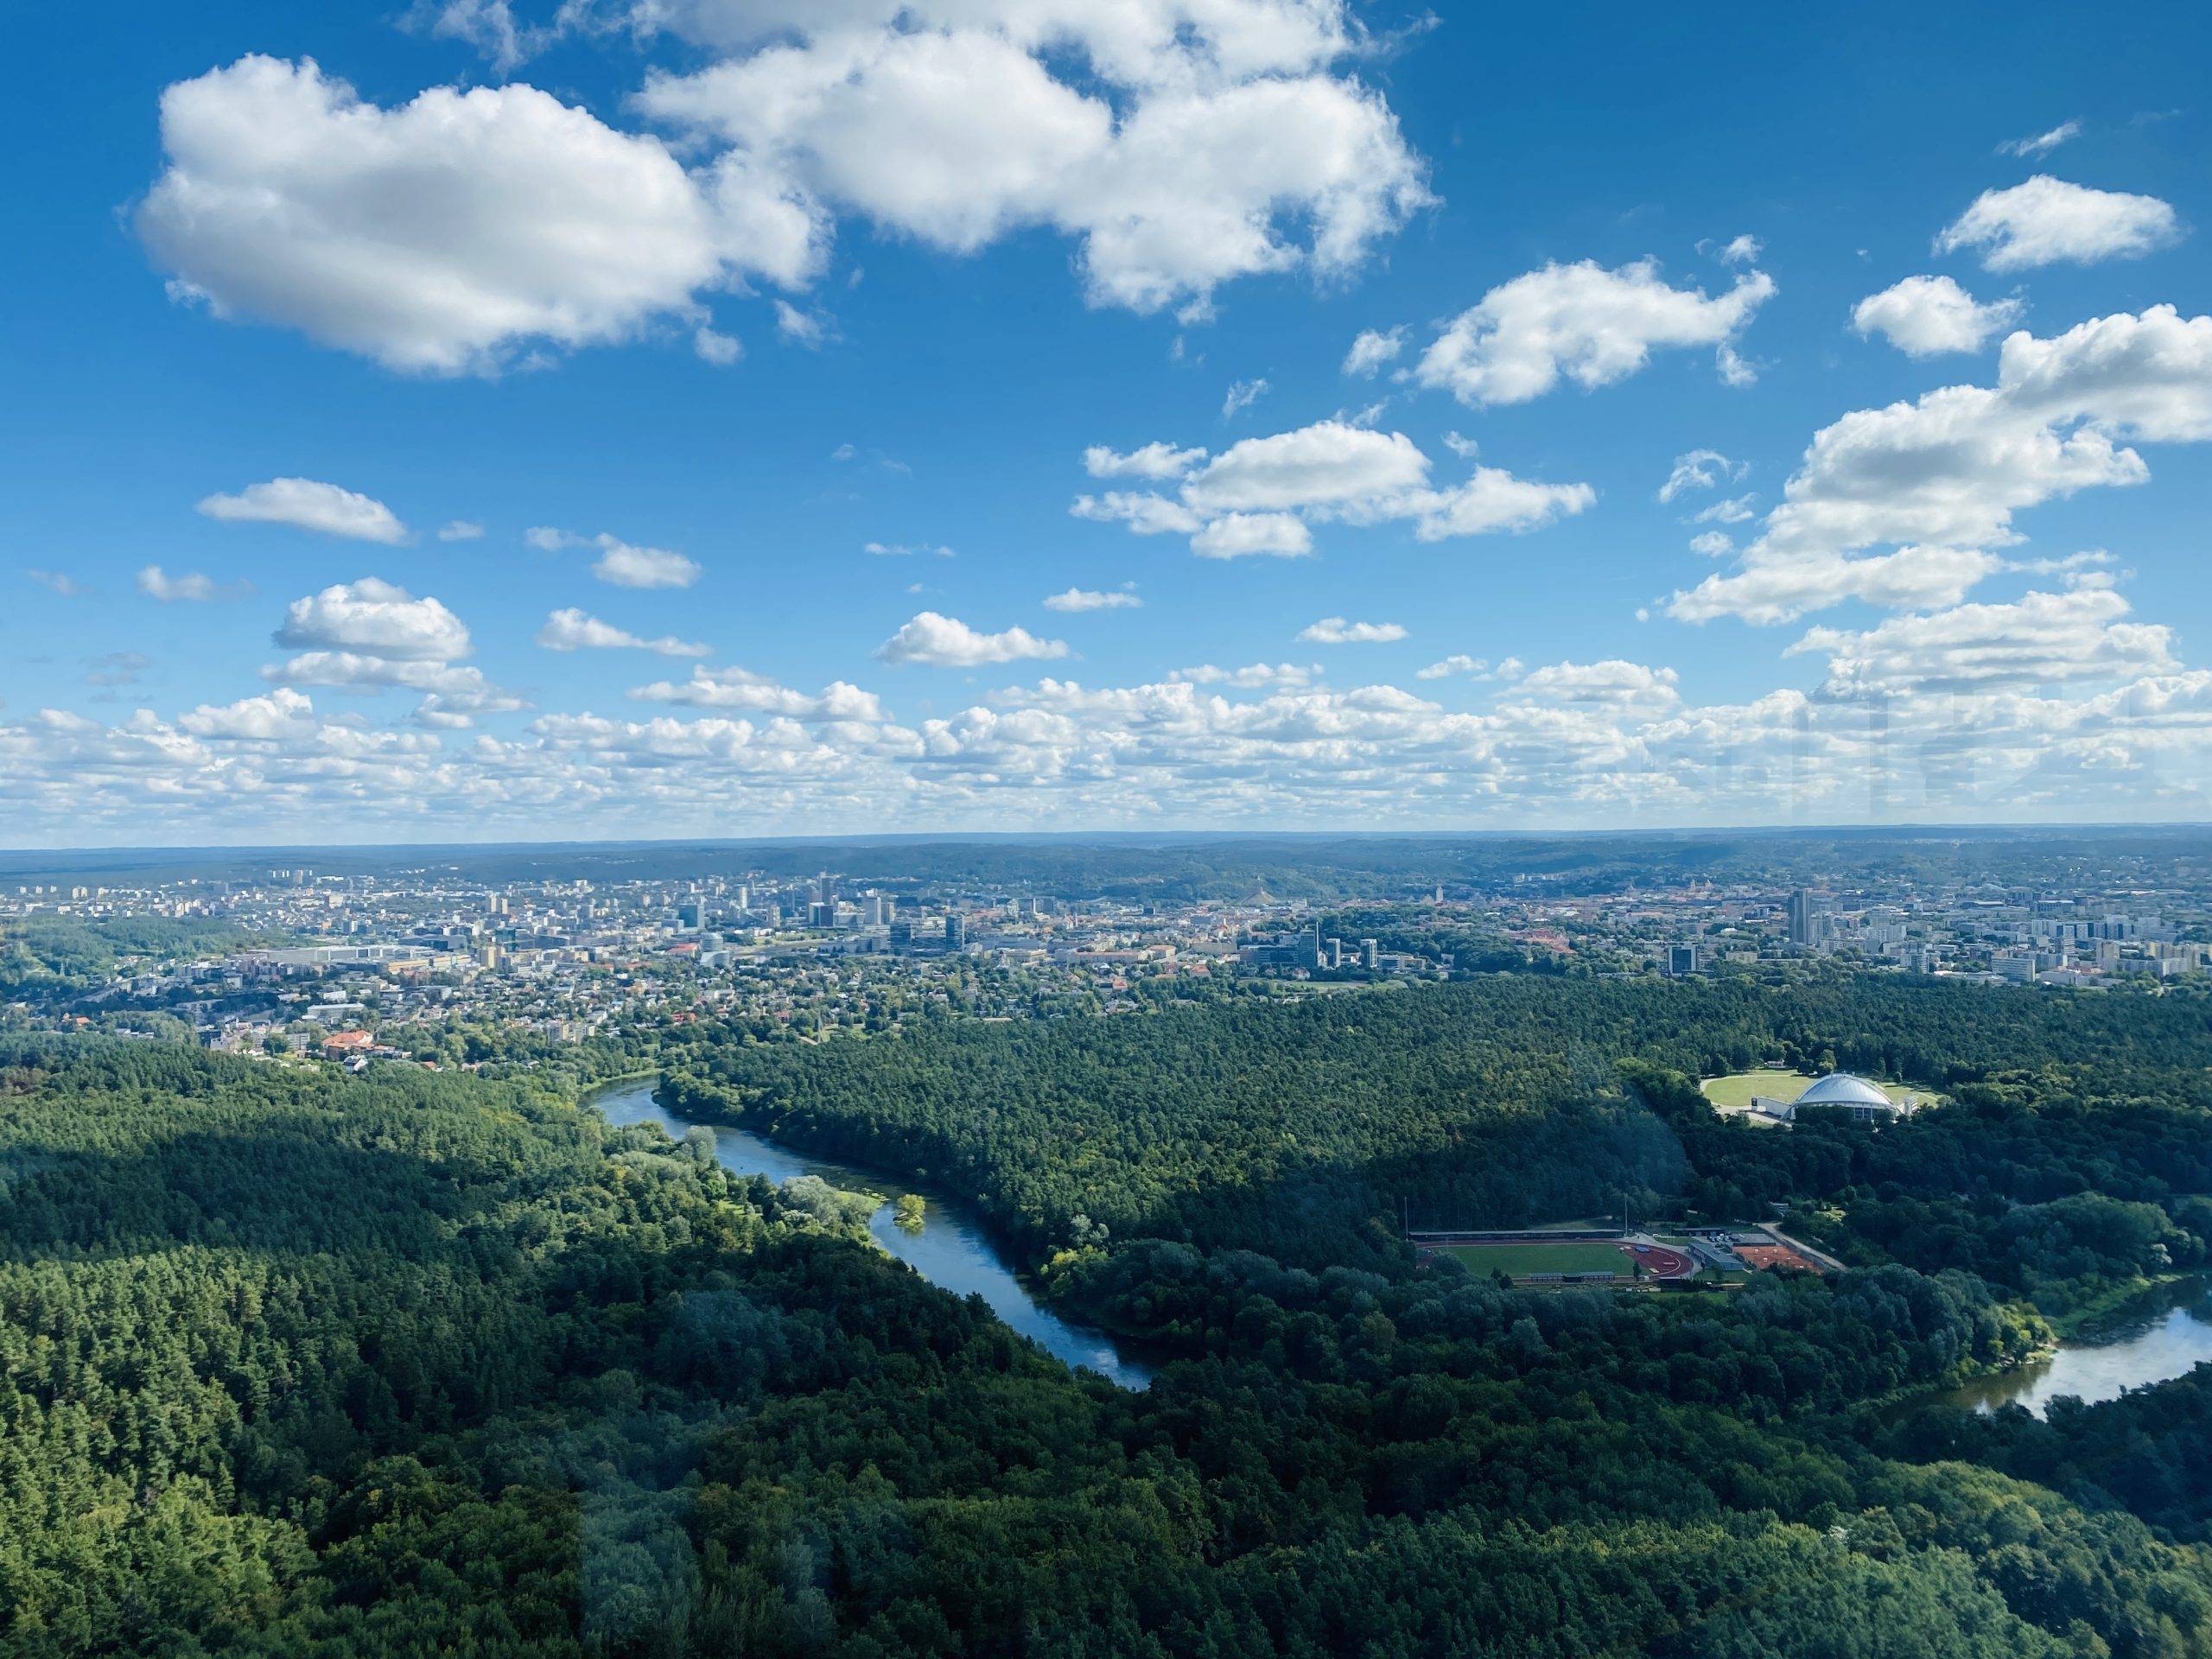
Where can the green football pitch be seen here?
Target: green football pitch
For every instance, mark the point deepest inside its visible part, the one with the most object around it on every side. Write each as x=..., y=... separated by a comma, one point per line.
x=1734, y=1094
x=1518, y=1260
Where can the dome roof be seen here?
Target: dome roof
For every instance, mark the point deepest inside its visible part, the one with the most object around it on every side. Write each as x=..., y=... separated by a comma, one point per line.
x=1841, y=1088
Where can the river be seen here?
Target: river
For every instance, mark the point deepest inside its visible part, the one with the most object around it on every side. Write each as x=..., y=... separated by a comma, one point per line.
x=950, y=1249
x=2164, y=1336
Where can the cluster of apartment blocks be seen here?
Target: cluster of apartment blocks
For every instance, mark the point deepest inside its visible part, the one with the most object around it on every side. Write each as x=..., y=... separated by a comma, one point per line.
x=2011, y=936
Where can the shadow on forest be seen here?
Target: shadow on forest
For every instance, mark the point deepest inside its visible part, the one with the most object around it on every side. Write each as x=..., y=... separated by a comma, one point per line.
x=277, y=1187
x=1553, y=1163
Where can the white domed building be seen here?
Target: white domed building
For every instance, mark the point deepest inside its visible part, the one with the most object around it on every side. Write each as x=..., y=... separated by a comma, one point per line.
x=1842, y=1091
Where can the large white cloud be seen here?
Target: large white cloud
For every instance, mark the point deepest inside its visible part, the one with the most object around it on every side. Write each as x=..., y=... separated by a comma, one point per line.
x=371, y=636
x=1942, y=477
x=1329, y=464
x=307, y=504
x=1924, y=315
x=1259, y=495
x=375, y=617
x=445, y=233
x=1199, y=160
x=1771, y=588
x=1182, y=143
x=1592, y=325
x=2145, y=377
x=2046, y=221
x=946, y=642
x=2040, y=638
x=950, y=138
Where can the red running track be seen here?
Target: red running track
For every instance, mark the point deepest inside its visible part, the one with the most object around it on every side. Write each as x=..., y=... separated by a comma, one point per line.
x=1660, y=1261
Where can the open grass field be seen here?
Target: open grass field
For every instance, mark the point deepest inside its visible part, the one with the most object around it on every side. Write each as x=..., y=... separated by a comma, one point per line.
x=1733, y=1094
x=1521, y=1258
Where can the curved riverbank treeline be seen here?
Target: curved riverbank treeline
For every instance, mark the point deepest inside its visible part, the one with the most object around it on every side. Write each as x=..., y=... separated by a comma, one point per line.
x=938, y=1240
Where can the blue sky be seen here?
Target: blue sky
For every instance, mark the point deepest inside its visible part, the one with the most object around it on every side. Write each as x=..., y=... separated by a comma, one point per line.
x=470, y=264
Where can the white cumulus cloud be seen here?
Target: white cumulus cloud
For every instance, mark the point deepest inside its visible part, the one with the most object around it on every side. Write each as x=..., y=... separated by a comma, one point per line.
x=1592, y=325
x=443, y=234
x=1178, y=158
x=1259, y=495
x=2046, y=221
x=1924, y=315
x=1941, y=478
x=619, y=565
x=306, y=504
x=946, y=642
x=2040, y=638
x=1328, y=464
x=375, y=617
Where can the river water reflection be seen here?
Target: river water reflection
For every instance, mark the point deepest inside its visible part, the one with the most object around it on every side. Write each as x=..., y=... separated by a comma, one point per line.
x=950, y=1249
x=2159, y=1339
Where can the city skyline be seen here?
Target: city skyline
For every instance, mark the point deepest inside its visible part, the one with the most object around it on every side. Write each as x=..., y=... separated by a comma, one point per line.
x=511, y=423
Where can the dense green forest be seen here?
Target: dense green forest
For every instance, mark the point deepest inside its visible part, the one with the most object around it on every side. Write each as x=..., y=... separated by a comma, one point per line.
x=2074, y=1152
x=292, y=1361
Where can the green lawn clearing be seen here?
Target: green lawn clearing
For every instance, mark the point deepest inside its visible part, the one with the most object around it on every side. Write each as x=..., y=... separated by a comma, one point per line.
x=1733, y=1094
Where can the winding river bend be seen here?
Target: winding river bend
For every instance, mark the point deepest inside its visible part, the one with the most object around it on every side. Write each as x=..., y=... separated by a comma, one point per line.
x=2164, y=1336
x=951, y=1249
